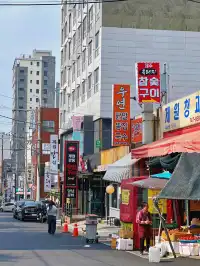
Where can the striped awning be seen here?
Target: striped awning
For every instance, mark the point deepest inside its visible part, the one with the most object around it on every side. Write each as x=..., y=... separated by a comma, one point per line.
x=121, y=169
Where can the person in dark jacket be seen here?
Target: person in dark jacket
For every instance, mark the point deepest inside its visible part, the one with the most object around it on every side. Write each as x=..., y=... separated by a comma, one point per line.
x=52, y=214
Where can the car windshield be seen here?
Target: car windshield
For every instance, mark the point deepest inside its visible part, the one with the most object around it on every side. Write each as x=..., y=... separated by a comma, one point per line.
x=30, y=203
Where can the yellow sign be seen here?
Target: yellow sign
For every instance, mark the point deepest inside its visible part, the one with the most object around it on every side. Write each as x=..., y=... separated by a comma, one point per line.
x=162, y=203
x=125, y=196
x=127, y=226
x=181, y=113
x=112, y=155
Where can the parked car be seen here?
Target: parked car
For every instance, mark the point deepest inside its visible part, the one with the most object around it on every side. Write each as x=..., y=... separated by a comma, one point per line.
x=7, y=207
x=32, y=210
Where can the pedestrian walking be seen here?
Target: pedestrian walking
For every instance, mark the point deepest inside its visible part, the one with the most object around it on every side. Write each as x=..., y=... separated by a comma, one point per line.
x=144, y=222
x=52, y=214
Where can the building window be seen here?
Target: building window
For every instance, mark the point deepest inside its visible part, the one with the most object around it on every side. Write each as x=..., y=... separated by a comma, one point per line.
x=89, y=86
x=74, y=43
x=30, y=99
x=61, y=98
x=31, y=72
x=70, y=23
x=73, y=99
x=31, y=63
x=21, y=89
x=96, y=80
x=68, y=103
x=38, y=73
x=31, y=81
x=77, y=96
x=37, y=90
x=21, y=80
x=21, y=71
x=73, y=72
x=78, y=66
x=45, y=82
x=38, y=64
x=45, y=100
x=84, y=27
x=74, y=15
x=21, y=98
x=79, y=34
x=97, y=44
x=90, y=18
x=83, y=60
x=45, y=73
x=31, y=90
x=90, y=53
x=45, y=64
x=48, y=126
x=69, y=50
x=64, y=116
x=64, y=96
x=37, y=82
x=45, y=91
x=21, y=107
x=83, y=92
x=37, y=100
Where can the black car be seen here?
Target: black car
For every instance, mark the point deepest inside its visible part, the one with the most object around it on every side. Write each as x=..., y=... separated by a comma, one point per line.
x=32, y=210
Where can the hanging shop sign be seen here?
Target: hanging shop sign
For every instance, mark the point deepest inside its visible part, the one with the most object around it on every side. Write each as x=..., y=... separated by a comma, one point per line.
x=136, y=130
x=47, y=180
x=45, y=148
x=148, y=82
x=181, y=113
x=121, y=115
x=53, y=153
x=71, y=163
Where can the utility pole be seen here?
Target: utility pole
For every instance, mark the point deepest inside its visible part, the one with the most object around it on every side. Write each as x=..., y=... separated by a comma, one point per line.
x=26, y=168
x=38, y=153
x=2, y=173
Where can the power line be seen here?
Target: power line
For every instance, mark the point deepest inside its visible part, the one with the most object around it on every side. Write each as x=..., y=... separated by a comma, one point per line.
x=49, y=3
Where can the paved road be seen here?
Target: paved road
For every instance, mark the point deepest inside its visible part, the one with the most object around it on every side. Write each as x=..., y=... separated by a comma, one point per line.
x=28, y=244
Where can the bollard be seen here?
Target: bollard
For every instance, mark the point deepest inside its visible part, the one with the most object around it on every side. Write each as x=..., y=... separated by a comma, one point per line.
x=75, y=231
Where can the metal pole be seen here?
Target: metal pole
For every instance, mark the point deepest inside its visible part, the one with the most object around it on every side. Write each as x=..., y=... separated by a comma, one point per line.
x=38, y=162
x=25, y=175
x=2, y=172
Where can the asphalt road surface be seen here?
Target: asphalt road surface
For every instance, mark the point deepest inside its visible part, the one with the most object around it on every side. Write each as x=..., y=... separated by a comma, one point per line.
x=29, y=244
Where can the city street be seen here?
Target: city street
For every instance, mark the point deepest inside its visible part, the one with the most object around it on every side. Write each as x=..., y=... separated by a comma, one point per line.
x=27, y=243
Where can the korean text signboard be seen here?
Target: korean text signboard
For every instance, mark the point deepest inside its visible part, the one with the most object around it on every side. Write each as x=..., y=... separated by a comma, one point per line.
x=148, y=82
x=121, y=115
x=181, y=113
x=72, y=162
x=47, y=180
x=136, y=130
x=53, y=153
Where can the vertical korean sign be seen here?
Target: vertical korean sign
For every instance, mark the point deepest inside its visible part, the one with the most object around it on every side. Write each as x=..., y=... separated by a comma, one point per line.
x=53, y=153
x=148, y=82
x=136, y=130
x=71, y=168
x=121, y=115
x=47, y=180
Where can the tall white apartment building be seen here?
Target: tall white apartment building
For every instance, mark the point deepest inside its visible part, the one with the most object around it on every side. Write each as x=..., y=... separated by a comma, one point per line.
x=33, y=86
x=101, y=42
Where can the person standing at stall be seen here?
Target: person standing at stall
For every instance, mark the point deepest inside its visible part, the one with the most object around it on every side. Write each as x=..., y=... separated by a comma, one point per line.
x=144, y=222
x=52, y=214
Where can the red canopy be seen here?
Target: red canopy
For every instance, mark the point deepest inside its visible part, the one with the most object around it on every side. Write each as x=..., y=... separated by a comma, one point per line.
x=189, y=142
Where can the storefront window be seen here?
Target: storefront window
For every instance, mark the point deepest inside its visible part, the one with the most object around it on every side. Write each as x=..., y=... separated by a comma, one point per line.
x=114, y=197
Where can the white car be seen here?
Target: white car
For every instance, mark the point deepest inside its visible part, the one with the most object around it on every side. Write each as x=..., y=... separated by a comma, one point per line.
x=7, y=207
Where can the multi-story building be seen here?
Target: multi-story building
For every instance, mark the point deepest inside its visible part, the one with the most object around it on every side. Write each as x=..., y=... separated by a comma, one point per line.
x=33, y=86
x=100, y=44
x=49, y=125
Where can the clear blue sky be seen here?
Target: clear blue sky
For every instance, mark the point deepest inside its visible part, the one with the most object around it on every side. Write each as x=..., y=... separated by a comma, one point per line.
x=23, y=29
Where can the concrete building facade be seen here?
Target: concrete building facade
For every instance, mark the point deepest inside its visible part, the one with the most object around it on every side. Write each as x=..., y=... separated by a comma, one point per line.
x=100, y=44
x=33, y=86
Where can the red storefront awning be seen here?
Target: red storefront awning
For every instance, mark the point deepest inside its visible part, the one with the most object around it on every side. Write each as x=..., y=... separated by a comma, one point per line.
x=189, y=142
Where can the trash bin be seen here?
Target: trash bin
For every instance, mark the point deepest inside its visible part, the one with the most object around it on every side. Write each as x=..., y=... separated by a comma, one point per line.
x=91, y=228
